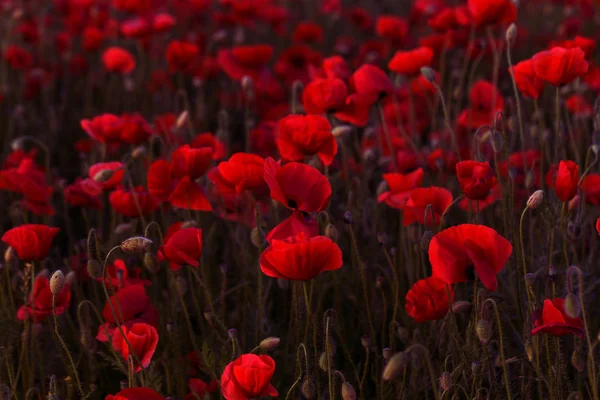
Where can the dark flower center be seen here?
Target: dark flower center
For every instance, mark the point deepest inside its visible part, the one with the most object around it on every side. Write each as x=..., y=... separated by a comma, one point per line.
x=292, y=204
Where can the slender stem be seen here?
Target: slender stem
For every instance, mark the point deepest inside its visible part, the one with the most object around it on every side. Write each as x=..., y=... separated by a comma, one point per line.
x=501, y=344
x=388, y=138
x=65, y=348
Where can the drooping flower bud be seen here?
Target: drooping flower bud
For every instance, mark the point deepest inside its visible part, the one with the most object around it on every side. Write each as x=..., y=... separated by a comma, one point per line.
x=511, y=33
x=572, y=306
x=446, y=381
x=484, y=331
x=269, y=344
x=136, y=244
x=535, y=199
x=348, y=392
x=395, y=366
x=57, y=282
x=428, y=73
x=103, y=175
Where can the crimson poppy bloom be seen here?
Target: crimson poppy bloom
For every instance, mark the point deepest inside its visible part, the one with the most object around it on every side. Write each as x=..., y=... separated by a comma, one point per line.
x=207, y=139
x=453, y=251
x=560, y=66
x=308, y=32
x=356, y=111
x=553, y=319
x=135, y=129
x=39, y=305
x=476, y=178
x=567, y=179
x=410, y=62
x=588, y=45
x=418, y=200
x=180, y=55
x=526, y=79
x=199, y=389
x=116, y=177
x=297, y=186
x=117, y=59
x=487, y=12
x=591, y=188
x=137, y=28
x=118, y=276
x=372, y=82
x=578, y=106
x=19, y=58
x=486, y=101
x=300, y=136
x=27, y=179
x=136, y=393
x=323, y=96
x=243, y=171
x=92, y=39
x=192, y=162
x=297, y=222
x=399, y=186
x=105, y=128
x=495, y=194
x=163, y=22
x=392, y=28
x=134, y=306
x=84, y=193
x=248, y=377
x=143, y=339
x=183, y=247
x=300, y=258
x=336, y=67
x=244, y=60
x=428, y=299
x=132, y=203
x=32, y=242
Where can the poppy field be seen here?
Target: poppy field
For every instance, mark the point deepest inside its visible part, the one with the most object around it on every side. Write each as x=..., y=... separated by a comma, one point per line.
x=299, y=199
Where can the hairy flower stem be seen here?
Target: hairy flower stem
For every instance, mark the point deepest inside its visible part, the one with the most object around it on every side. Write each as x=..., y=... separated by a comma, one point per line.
x=501, y=344
x=557, y=115
x=65, y=348
x=432, y=375
x=447, y=119
x=328, y=352
x=388, y=138
x=563, y=227
x=310, y=319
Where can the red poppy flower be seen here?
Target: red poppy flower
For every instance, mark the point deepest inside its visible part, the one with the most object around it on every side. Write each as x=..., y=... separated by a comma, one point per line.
x=553, y=319
x=486, y=101
x=136, y=393
x=308, y=32
x=92, y=39
x=39, y=306
x=336, y=67
x=418, y=200
x=132, y=305
x=588, y=45
x=301, y=136
x=118, y=60
x=135, y=129
x=247, y=377
x=579, y=106
x=476, y=179
x=356, y=111
x=199, y=389
x=163, y=22
x=297, y=186
x=453, y=251
x=392, y=28
x=143, y=339
x=567, y=179
x=526, y=80
x=132, y=203
x=137, y=28
x=27, y=179
x=104, y=128
x=183, y=247
x=192, y=162
x=243, y=171
x=495, y=194
x=295, y=63
x=297, y=222
x=372, y=82
x=244, y=60
x=428, y=300
x=207, y=139
x=323, y=96
x=32, y=242
x=84, y=193
x=446, y=19
x=399, y=186
x=591, y=188
x=180, y=55
x=598, y=226
x=410, y=62
x=118, y=171
x=487, y=12
x=560, y=66
x=118, y=277
x=19, y=58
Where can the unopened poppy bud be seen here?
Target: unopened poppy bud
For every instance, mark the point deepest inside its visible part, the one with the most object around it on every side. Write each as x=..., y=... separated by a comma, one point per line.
x=232, y=333
x=497, y=141
x=308, y=388
x=529, y=279
x=269, y=344
x=124, y=229
x=446, y=381
x=92, y=244
x=94, y=268
x=365, y=341
x=572, y=306
x=190, y=223
x=136, y=244
x=535, y=199
x=331, y=232
x=348, y=392
x=341, y=130
x=181, y=120
x=461, y=306
x=577, y=360
x=395, y=366
x=151, y=262
x=475, y=367
x=348, y=217
x=9, y=255
x=57, y=282
x=425, y=240
x=484, y=331
x=138, y=152
x=257, y=237
x=511, y=33
x=103, y=175
x=387, y=353
x=529, y=350
x=382, y=238
x=428, y=73
x=70, y=278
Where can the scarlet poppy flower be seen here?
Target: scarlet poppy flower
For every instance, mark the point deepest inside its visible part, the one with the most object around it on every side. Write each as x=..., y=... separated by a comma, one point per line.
x=495, y=194
x=553, y=319
x=487, y=12
x=591, y=188
x=137, y=28
x=372, y=82
x=476, y=178
x=308, y=32
x=453, y=251
x=135, y=129
x=247, y=377
x=392, y=28
x=104, y=128
x=180, y=55
x=336, y=67
x=132, y=203
x=118, y=172
x=84, y=193
x=301, y=136
x=445, y=20
x=560, y=66
x=297, y=222
x=183, y=247
x=410, y=62
x=323, y=96
x=428, y=299
x=297, y=186
x=19, y=58
x=520, y=162
x=598, y=226
x=295, y=63
x=486, y=101
x=27, y=179
x=567, y=179
x=92, y=39
x=526, y=80
x=118, y=60
x=579, y=106
x=418, y=200
x=118, y=277
x=192, y=162
x=243, y=171
x=136, y=393
x=356, y=110
x=244, y=60
x=39, y=305
x=132, y=305
x=199, y=389
x=143, y=339
x=163, y=22
x=588, y=45
x=399, y=186
x=207, y=139
x=32, y=242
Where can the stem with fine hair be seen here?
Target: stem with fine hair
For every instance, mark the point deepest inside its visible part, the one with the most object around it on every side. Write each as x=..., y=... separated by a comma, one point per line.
x=429, y=366
x=388, y=138
x=501, y=344
x=65, y=348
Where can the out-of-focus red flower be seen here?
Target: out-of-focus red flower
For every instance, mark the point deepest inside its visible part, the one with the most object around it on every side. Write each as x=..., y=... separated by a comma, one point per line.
x=199, y=389
x=553, y=319
x=180, y=55
x=32, y=242
x=84, y=193
x=295, y=63
x=297, y=222
x=399, y=186
x=486, y=101
x=27, y=179
x=418, y=200
x=119, y=60
x=526, y=80
x=301, y=136
x=192, y=162
x=243, y=171
x=560, y=66
x=118, y=277
x=136, y=393
x=476, y=179
x=598, y=226
x=163, y=22
x=135, y=129
x=132, y=203
x=105, y=128
x=445, y=20
x=207, y=139
x=183, y=247
x=308, y=32
x=520, y=162
x=579, y=106
x=428, y=300
x=297, y=186
x=138, y=28
x=323, y=96
x=453, y=251
x=39, y=306
x=588, y=45
x=118, y=172
x=336, y=67
x=392, y=28
x=92, y=39
x=244, y=60
x=19, y=58
x=495, y=194
x=360, y=18
x=143, y=339
x=410, y=62
x=488, y=12
x=591, y=188
x=132, y=6
x=247, y=377
x=371, y=82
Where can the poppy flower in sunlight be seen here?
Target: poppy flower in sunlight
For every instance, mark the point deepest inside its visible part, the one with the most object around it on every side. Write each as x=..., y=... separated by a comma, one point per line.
x=143, y=339
x=180, y=55
x=429, y=299
x=565, y=179
x=105, y=128
x=119, y=60
x=300, y=136
x=418, y=201
x=243, y=171
x=371, y=82
x=487, y=12
x=192, y=162
x=410, y=62
x=297, y=222
x=183, y=247
x=32, y=242
x=116, y=175
x=248, y=377
x=560, y=66
x=39, y=305
x=526, y=80
x=399, y=187
x=392, y=28
x=132, y=203
x=300, y=258
x=297, y=186
x=476, y=179
x=84, y=193
x=134, y=305
x=199, y=389
x=323, y=96
x=553, y=319
x=591, y=189
x=207, y=139
x=454, y=251
x=136, y=393
x=486, y=101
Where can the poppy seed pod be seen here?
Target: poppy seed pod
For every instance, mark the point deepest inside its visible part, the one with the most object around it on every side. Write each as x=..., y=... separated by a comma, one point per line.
x=57, y=282
x=484, y=331
x=511, y=33
x=341, y=130
x=331, y=232
x=103, y=175
x=94, y=268
x=395, y=366
x=572, y=306
x=348, y=392
x=182, y=119
x=136, y=244
x=308, y=388
x=535, y=199
x=151, y=262
x=446, y=381
x=428, y=73
x=257, y=237
x=387, y=353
